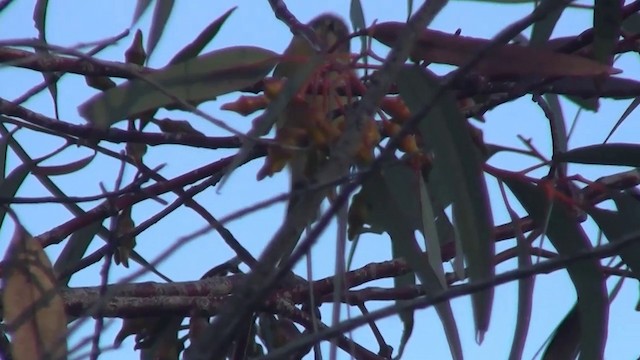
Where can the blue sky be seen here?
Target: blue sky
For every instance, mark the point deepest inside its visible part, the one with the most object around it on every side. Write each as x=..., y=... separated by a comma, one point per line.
x=75, y=21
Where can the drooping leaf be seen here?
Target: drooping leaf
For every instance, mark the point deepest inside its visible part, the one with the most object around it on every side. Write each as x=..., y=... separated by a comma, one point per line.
x=543, y=29
x=384, y=195
x=565, y=342
x=445, y=130
x=161, y=14
x=406, y=316
x=525, y=289
x=607, y=18
x=10, y=185
x=4, y=147
x=40, y=20
x=634, y=104
x=75, y=249
x=509, y=60
x=357, y=20
x=604, y=154
x=616, y=225
x=430, y=231
x=141, y=7
x=64, y=169
x=196, y=80
x=569, y=238
x=591, y=104
x=32, y=307
x=194, y=48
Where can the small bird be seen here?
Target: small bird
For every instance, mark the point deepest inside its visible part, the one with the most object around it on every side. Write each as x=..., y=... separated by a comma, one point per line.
x=311, y=120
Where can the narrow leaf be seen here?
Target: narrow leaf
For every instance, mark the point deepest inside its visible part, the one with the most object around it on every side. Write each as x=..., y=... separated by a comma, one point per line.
x=569, y=238
x=384, y=196
x=565, y=343
x=194, y=48
x=40, y=20
x=10, y=185
x=606, y=154
x=357, y=19
x=64, y=169
x=543, y=29
x=634, y=104
x=196, y=80
x=406, y=316
x=618, y=225
x=141, y=7
x=75, y=249
x=161, y=14
x=607, y=18
x=445, y=129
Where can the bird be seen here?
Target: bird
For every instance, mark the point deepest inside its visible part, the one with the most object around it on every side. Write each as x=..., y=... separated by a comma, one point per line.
x=311, y=120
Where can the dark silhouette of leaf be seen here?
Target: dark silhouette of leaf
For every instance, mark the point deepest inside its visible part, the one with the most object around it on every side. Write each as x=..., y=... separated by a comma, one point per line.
x=568, y=237
x=446, y=131
x=565, y=343
x=607, y=18
x=616, y=225
x=604, y=154
x=161, y=14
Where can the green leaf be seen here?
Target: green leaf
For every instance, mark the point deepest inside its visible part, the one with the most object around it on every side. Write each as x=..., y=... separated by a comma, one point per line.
x=4, y=147
x=634, y=104
x=617, y=225
x=445, y=129
x=525, y=291
x=141, y=7
x=605, y=154
x=632, y=24
x=40, y=20
x=565, y=342
x=161, y=14
x=591, y=104
x=10, y=185
x=568, y=237
x=75, y=249
x=385, y=195
x=357, y=19
x=430, y=231
x=64, y=169
x=543, y=29
x=196, y=80
x=195, y=47
x=406, y=316
x=607, y=18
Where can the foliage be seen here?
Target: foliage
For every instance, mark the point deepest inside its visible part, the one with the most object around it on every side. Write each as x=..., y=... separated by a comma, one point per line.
x=390, y=143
